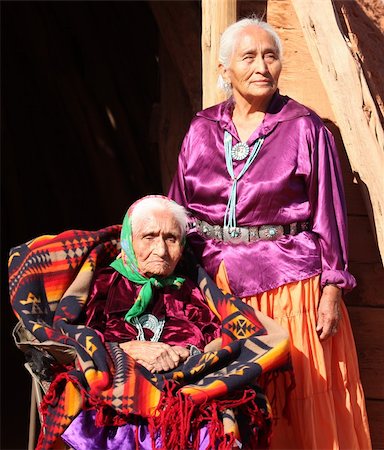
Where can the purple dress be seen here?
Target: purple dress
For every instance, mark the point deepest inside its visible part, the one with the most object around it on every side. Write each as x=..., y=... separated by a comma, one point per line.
x=82, y=434
x=296, y=177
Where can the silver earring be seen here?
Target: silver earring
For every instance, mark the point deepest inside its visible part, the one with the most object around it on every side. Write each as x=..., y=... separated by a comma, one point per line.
x=227, y=85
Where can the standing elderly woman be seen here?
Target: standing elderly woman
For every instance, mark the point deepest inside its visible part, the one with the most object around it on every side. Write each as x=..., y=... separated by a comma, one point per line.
x=260, y=175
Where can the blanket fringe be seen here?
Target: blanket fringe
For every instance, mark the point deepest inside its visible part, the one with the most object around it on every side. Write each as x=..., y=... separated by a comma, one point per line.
x=178, y=420
x=56, y=394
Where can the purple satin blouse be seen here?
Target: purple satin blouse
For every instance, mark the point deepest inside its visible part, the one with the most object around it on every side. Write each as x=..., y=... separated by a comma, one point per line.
x=188, y=319
x=295, y=177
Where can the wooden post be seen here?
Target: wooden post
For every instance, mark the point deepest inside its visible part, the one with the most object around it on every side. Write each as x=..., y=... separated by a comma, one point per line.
x=354, y=108
x=216, y=16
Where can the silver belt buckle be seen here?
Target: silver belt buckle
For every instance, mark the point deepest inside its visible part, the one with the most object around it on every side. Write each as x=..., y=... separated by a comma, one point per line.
x=235, y=235
x=271, y=232
x=209, y=231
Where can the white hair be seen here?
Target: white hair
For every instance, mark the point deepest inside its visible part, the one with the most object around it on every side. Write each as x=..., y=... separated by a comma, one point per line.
x=229, y=38
x=149, y=204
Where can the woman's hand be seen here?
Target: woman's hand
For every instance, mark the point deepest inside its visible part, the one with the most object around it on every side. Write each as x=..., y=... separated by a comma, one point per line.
x=155, y=356
x=329, y=312
x=213, y=346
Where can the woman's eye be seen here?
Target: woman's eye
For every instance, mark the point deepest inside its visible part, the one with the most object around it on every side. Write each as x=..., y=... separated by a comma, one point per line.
x=172, y=240
x=270, y=57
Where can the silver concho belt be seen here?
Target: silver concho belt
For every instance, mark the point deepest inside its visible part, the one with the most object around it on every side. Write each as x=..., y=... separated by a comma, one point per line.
x=237, y=235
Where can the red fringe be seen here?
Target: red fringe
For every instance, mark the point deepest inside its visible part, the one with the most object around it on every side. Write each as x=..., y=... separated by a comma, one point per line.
x=177, y=420
x=51, y=399
x=259, y=421
x=137, y=443
x=106, y=416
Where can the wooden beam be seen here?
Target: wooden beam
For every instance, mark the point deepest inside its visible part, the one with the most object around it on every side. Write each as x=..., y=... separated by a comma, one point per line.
x=352, y=103
x=216, y=16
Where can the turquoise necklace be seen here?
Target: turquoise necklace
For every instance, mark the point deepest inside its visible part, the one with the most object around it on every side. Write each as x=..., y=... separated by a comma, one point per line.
x=239, y=152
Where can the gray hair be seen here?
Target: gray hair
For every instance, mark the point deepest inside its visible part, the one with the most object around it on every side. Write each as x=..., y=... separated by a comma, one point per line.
x=228, y=40
x=149, y=204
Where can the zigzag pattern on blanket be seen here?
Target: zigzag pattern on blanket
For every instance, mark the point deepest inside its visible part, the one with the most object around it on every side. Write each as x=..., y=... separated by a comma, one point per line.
x=41, y=270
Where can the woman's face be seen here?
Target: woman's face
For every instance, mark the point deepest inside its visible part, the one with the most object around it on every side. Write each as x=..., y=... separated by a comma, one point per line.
x=255, y=67
x=157, y=243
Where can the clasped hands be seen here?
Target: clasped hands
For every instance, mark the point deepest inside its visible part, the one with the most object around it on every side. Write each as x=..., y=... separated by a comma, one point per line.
x=156, y=356
x=160, y=357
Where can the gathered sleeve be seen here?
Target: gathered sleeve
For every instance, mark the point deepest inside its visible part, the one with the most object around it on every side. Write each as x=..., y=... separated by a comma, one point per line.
x=328, y=209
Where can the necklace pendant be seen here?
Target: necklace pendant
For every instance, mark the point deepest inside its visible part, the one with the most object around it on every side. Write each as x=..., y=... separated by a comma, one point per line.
x=240, y=151
x=150, y=322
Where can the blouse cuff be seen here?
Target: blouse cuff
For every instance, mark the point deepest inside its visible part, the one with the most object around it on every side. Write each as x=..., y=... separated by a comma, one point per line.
x=340, y=278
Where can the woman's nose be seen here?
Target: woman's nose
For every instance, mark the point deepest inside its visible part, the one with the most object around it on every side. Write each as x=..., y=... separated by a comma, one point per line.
x=260, y=65
x=160, y=247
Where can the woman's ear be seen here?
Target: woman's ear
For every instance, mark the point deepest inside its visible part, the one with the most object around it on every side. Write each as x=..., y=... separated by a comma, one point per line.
x=223, y=72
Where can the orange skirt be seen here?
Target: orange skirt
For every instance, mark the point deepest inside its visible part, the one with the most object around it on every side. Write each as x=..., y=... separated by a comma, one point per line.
x=326, y=409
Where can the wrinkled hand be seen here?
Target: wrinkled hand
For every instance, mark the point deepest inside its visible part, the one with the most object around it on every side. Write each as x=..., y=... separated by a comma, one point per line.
x=155, y=356
x=329, y=312
x=213, y=346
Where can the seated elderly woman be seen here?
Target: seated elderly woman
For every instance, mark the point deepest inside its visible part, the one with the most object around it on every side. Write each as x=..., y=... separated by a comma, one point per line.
x=158, y=318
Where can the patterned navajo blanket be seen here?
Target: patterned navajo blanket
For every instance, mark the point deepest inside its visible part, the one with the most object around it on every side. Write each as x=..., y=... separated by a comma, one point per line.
x=49, y=280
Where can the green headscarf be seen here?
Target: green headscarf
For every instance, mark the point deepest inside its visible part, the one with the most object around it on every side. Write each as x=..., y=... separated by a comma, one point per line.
x=126, y=264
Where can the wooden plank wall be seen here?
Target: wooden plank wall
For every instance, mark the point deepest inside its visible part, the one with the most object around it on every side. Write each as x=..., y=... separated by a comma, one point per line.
x=300, y=80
